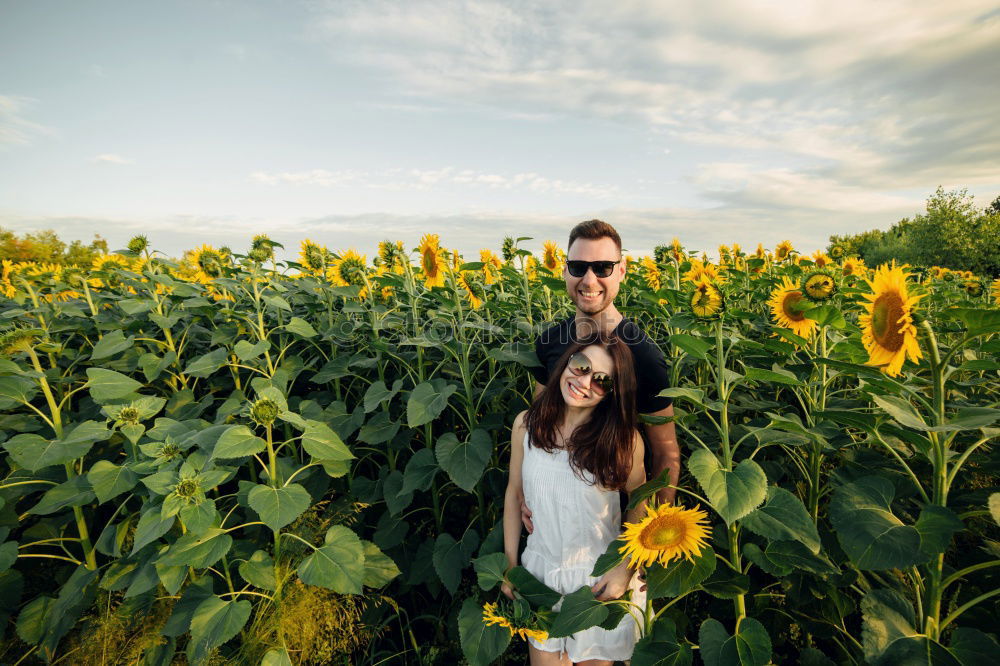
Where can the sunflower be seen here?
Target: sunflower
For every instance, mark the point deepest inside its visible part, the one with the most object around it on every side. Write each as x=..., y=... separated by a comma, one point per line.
x=432, y=261
x=312, y=256
x=667, y=532
x=760, y=253
x=207, y=262
x=737, y=250
x=785, y=308
x=702, y=270
x=837, y=251
x=502, y=614
x=706, y=300
x=392, y=255
x=821, y=260
x=973, y=287
x=676, y=250
x=819, y=286
x=723, y=253
x=491, y=266
x=887, y=329
x=492, y=615
x=6, y=275
x=349, y=270
x=995, y=288
x=531, y=267
x=386, y=291
x=110, y=264
x=468, y=280
x=651, y=273
x=552, y=257
x=783, y=250
x=853, y=267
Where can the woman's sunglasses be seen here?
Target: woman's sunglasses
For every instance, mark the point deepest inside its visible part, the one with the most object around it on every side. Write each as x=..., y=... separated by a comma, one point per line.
x=580, y=365
x=602, y=269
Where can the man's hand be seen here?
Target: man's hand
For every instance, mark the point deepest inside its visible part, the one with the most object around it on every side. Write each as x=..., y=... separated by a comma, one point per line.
x=526, y=517
x=613, y=584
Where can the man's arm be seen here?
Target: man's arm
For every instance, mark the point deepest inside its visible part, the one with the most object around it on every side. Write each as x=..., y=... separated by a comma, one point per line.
x=665, y=453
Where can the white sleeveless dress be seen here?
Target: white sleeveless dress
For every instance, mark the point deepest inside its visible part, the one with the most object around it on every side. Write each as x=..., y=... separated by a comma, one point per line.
x=573, y=524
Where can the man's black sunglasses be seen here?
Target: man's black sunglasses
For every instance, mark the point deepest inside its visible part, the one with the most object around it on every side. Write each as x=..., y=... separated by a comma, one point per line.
x=602, y=269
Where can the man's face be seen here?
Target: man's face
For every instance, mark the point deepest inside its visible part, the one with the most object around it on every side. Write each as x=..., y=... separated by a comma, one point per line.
x=593, y=294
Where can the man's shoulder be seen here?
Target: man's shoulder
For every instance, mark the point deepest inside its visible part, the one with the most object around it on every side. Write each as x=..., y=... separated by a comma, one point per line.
x=638, y=340
x=556, y=333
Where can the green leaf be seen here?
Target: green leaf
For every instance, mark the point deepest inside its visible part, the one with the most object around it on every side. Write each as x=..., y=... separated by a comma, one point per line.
x=697, y=396
x=379, y=567
x=34, y=453
x=339, y=565
x=695, y=347
x=465, y=461
x=278, y=507
x=301, y=328
x=31, y=619
x=245, y=351
x=773, y=377
x=179, y=621
x=531, y=589
x=869, y=533
x=152, y=525
x=481, y=643
x=236, y=442
x=111, y=344
x=783, y=517
x=19, y=389
x=378, y=393
x=579, y=611
x=427, y=401
x=680, y=576
x=609, y=559
x=75, y=492
x=994, y=505
x=974, y=648
x=8, y=555
x=259, y=571
x=215, y=621
x=900, y=410
x=276, y=657
x=420, y=471
x=109, y=480
x=106, y=385
x=380, y=429
x=733, y=494
x=322, y=443
x=978, y=321
x=750, y=646
x=490, y=570
x=660, y=647
x=449, y=559
x=392, y=491
x=826, y=315
x=198, y=550
x=886, y=616
x=936, y=526
x=206, y=364
x=795, y=555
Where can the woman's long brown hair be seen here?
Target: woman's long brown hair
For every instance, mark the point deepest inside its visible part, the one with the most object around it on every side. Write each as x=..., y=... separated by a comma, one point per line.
x=602, y=445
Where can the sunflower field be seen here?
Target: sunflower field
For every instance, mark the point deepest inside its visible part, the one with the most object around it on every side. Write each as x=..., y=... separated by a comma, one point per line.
x=231, y=459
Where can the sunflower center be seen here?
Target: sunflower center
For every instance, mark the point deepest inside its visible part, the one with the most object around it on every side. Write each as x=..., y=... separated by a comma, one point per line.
x=886, y=313
x=429, y=258
x=352, y=271
x=788, y=304
x=662, y=533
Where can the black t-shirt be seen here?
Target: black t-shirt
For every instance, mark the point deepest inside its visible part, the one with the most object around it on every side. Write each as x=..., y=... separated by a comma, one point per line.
x=650, y=364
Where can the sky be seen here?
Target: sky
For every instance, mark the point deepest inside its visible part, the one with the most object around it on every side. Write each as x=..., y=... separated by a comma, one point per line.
x=209, y=121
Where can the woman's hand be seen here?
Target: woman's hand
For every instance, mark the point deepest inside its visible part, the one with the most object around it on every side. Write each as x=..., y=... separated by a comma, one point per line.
x=613, y=584
x=506, y=588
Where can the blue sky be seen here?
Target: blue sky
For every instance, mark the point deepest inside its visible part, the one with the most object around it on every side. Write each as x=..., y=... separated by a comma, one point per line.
x=349, y=122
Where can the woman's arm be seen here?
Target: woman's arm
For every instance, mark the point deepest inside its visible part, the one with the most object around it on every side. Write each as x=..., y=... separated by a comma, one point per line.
x=613, y=584
x=513, y=499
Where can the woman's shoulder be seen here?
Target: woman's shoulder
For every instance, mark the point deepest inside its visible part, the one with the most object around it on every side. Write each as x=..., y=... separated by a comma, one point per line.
x=519, y=421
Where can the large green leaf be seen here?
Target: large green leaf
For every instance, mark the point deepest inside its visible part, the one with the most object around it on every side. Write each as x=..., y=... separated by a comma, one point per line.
x=19, y=389
x=579, y=611
x=749, y=646
x=465, y=461
x=236, y=442
x=276, y=657
x=259, y=570
x=378, y=393
x=152, y=525
x=936, y=526
x=490, y=570
x=902, y=411
x=106, y=385
x=300, y=327
x=783, y=517
x=379, y=567
x=34, y=453
x=427, y=401
x=75, y=492
x=451, y=557
x=179, y=621
x=660, y=647
x=974, y=648
x=322, y=443
x=693, y=346
x=481, y=643
x=796, y=555
x=278, y=507
x=109, y=480
x=733, y=494
x=680, y=576
x=886, y=617
x=111, y=344
x=420, y=471
x=533, y=590
x=339, y=565
x=198, y=550
x=871, y=535
x=208, y=363
x=215, y=621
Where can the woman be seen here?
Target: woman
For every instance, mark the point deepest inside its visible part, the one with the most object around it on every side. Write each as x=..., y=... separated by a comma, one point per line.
x=572, y=451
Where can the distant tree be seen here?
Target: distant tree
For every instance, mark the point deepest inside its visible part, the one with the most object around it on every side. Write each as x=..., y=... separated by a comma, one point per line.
x=993, y=208
x=46, y=246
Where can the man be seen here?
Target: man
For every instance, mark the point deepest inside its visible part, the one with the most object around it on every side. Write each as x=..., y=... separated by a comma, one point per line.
x=594, y=271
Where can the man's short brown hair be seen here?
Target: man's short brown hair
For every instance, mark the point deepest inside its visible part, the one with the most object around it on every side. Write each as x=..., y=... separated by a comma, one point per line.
x=592, y=230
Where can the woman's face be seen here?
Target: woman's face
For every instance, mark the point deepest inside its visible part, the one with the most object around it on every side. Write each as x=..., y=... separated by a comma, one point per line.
x=580, y=391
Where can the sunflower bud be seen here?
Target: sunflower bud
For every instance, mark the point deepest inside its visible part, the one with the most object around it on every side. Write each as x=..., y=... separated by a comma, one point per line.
x=187, y=488
x=138, y=244
x=260, y=254
x=819, y=286
x=264, y=411
x=128, y=415
x=508, y=249
x=18, y=339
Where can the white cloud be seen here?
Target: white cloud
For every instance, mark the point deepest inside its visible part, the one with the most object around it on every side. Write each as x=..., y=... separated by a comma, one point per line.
x=14, y=128
x=111, y=158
